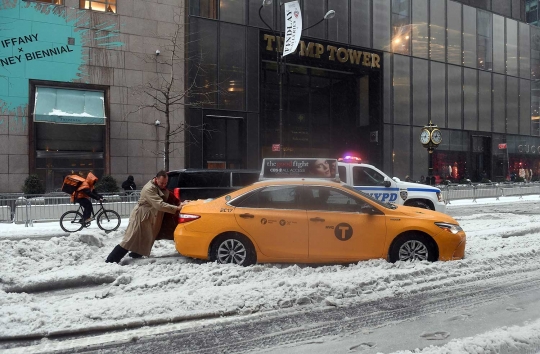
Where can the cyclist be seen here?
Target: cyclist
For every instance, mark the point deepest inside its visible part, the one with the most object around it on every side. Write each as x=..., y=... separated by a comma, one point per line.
x=83, y=194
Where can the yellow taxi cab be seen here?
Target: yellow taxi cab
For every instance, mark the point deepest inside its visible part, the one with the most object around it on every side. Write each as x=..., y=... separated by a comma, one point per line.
x=312, y=221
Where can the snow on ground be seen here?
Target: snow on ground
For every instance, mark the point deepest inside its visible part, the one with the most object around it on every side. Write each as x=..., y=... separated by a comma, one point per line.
x=52, y=282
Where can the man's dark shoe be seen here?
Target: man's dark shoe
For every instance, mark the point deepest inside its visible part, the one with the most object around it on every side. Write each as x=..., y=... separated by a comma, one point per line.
x=135, y=255
x=116, y=255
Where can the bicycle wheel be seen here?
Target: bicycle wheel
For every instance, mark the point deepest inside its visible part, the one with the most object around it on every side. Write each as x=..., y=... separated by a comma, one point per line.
x=108, y=220
x=71, y=221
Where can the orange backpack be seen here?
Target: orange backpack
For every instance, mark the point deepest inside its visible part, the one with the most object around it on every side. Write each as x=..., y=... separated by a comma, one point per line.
x=72, y=183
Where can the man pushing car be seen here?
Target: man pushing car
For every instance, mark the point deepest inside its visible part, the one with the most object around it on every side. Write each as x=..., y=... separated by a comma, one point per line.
x=145, y=220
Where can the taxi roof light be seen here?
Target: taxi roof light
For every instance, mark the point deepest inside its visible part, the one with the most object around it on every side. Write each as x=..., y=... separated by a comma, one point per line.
x=184, y=218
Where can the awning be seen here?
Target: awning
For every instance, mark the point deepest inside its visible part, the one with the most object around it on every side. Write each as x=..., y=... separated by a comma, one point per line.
x=67, y=106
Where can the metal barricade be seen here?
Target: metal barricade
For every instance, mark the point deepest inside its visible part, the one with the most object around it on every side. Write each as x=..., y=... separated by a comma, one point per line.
x=486, y=191
x=28, y=208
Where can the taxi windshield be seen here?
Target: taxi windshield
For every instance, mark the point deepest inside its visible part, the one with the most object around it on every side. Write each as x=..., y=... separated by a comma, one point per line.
x=383, y=204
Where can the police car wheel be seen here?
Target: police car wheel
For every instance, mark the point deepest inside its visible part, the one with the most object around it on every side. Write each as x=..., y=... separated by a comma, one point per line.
x=419, y=204
x=233, y=248
x=413, y=248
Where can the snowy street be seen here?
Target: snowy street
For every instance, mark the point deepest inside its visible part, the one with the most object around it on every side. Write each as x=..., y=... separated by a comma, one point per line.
x=58, y=295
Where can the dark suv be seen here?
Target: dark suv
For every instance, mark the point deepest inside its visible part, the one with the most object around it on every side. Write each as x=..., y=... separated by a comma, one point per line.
x=205, y=183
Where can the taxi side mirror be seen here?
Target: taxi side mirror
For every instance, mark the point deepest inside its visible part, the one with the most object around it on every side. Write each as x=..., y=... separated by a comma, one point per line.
x=368, y=209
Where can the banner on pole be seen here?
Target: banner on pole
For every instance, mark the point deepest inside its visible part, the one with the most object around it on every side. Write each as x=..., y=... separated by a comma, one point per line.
x=293, y=27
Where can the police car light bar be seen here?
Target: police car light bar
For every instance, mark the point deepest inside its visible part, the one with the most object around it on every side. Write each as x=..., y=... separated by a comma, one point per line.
x=350, y=158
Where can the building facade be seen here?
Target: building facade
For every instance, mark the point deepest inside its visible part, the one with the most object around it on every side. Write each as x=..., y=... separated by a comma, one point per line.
x=77, y=88
x=82, y=84
x=366, y=81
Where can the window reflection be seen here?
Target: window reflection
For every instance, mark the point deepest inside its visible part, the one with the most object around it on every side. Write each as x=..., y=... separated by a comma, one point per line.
x=484, y=34
x=419, y=29
x=438, y=30
x=401, y=28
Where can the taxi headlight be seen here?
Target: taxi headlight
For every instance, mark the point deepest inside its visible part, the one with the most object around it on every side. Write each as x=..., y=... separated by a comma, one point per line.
x=449, y=227
x=439, y=196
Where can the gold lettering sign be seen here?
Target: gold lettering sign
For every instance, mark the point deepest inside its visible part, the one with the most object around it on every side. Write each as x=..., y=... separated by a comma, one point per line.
x=316, y=50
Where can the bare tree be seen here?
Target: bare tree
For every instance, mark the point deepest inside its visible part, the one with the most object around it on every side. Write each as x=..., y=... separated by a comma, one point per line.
x=170, y=92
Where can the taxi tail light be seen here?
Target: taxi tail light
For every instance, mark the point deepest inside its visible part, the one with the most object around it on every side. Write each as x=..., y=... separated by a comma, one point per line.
x=184, y=218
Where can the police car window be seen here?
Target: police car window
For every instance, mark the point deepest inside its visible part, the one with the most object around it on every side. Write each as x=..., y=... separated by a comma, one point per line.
x=275, y=197
x=363, y=176
x=241, y=179
x=331, y=199
x=342, y=173
x=204, y=179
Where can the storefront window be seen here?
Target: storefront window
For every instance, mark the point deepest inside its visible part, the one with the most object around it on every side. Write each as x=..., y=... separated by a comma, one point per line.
x=103, y=6
x=450, y=158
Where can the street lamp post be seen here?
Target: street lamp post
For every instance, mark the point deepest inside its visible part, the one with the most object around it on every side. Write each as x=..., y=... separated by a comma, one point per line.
x=279, y=59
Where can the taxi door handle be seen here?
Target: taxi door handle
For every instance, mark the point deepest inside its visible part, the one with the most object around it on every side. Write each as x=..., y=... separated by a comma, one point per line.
x=247, y=216
x=317, y=219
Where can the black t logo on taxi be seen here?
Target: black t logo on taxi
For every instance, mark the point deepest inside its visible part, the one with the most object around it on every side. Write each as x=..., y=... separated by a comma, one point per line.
x=282, y=222
x=343, y=231
x=264, y=221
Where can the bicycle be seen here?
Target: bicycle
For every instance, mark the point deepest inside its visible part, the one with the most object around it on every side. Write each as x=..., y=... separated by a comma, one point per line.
x=107, y=220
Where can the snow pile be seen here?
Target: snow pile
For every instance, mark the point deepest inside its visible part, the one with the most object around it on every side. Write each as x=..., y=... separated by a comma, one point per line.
x=507, y=340
x=62, y=284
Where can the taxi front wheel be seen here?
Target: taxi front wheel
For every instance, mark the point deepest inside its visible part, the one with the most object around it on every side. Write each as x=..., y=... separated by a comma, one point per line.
x=413, y=247
x=233, y=248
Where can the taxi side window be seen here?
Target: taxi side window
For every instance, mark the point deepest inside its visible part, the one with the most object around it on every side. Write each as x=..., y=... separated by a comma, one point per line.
x=363, y=176
x=330, y=199
x=276, y=197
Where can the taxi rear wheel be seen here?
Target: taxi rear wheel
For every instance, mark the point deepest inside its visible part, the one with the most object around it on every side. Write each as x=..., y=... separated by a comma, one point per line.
x=233, y=248
x=413, y=247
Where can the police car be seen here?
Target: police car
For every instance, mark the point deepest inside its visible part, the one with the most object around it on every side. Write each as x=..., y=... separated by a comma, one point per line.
x=363, y=177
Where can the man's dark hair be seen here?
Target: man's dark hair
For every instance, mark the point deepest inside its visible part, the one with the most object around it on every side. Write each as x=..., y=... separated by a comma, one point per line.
x=161, y=173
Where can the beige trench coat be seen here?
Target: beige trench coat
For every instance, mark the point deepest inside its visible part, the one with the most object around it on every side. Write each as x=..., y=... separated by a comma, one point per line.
x=146, y=218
